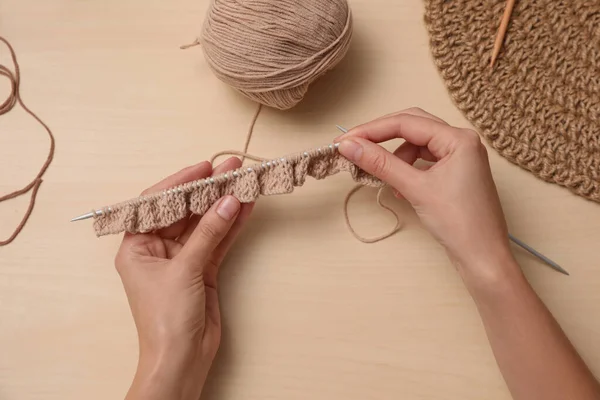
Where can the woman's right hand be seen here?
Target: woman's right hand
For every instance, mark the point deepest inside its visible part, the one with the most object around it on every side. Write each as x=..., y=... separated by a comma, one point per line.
x=455, y=198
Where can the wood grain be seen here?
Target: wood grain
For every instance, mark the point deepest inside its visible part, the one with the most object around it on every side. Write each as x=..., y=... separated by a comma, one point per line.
x=309, y=312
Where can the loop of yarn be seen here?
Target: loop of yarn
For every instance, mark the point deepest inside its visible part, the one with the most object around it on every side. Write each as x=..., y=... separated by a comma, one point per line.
x=381, y=237
x=7, y=105
x=271, y=51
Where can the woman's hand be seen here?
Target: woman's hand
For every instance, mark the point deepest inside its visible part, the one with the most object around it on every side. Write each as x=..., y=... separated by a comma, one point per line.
x=455, y=198
x=170, y=278
x=457, y=202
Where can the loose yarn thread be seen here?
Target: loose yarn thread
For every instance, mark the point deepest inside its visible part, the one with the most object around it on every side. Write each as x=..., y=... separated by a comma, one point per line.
x=13, y=99
x=375, y=239
x=272, y=51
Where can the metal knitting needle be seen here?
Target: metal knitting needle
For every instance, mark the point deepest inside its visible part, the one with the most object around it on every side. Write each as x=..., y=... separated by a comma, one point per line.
x=538, y=254
x=87, y=216
x=518, y=242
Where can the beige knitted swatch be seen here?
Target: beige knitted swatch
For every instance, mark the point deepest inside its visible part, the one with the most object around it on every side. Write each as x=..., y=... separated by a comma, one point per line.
x=278, y=176
x=540, y=105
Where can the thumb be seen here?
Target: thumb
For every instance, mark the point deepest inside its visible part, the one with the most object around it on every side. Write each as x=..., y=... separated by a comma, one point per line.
x=210, y=231
x=379, y=162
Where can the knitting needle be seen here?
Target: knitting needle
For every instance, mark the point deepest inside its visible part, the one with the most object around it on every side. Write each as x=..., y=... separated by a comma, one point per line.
x=538, y=254
x=87, y=216
x=518, y=242
x=515, y=240
x=502, y=31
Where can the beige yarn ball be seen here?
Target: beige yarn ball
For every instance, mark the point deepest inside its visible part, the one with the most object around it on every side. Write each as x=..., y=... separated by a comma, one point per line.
x=272, y=50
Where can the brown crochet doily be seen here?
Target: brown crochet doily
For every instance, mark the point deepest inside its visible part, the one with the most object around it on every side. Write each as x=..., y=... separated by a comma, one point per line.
x=540, y=105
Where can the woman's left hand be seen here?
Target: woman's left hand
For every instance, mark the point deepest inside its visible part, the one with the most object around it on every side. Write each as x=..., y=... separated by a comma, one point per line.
x=170, y=278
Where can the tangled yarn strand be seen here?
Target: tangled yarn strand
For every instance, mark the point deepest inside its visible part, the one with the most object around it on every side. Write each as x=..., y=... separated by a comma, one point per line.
x=13, y=99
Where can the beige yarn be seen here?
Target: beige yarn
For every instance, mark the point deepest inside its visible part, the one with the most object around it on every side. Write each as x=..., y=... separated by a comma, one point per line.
x=279, y=176
x=540, y=106
x=14, y=98
x=271, y=51
x=375, y=239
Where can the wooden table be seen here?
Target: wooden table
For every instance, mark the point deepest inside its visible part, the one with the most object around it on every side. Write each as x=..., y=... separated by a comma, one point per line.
x=309, y=312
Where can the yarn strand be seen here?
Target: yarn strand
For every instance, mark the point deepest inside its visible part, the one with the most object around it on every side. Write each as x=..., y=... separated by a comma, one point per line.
x=244, y=153
x=196, y=42
x=375, y=239
x=251, y=129
x=14, y=98
x=35, y=185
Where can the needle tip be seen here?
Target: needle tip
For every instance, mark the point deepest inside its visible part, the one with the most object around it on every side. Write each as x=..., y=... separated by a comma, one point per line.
x=539, y=255
x=564, y=271
x=555, y=266
x=341, y=128
x=82, y=217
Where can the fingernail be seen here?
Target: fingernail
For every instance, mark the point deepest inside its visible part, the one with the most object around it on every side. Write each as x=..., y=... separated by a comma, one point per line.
x=351, y=150
x=228, y=208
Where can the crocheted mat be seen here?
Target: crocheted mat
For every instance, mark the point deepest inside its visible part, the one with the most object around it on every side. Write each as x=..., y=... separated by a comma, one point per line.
x=540, y=105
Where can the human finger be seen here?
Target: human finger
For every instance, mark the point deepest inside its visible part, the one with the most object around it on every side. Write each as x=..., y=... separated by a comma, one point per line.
x=210, y=231
x=411, y=153
x=379, y=162
x=191, y=173
x=211, y=273
x=416, y=111
x=438, y=137
x=227, y=165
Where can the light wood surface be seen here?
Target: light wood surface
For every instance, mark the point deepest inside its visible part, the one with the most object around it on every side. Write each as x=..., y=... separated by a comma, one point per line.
x=308, y=311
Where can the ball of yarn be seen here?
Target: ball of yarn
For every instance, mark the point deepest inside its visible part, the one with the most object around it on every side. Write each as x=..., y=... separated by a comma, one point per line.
x=272, y=50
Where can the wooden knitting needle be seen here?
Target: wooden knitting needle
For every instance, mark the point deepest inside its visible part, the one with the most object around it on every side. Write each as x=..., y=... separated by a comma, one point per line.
x=510, y=4
x=518, y=242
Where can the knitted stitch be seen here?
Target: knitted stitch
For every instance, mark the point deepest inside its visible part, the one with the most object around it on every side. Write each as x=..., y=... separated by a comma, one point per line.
x=279, y=176
x=540, y=106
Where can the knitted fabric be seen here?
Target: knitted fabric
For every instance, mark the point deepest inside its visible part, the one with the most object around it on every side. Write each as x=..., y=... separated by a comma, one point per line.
x=278, y=176
x=540, y=105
